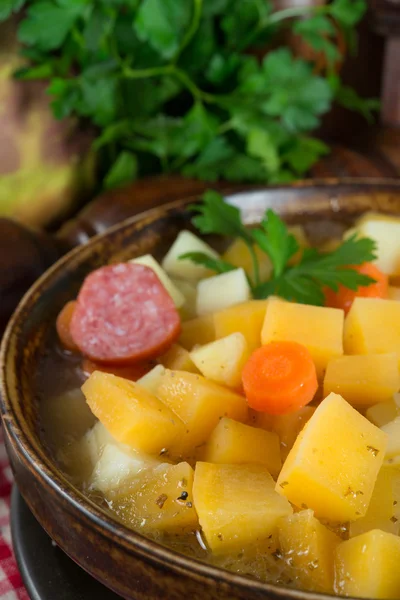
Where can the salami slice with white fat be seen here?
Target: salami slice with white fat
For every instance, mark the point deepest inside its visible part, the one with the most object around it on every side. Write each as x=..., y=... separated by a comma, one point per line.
x=124, y=315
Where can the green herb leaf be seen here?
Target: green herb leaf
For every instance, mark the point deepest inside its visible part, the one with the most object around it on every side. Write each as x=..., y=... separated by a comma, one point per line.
x=348, y=12
x=122, y=171
x=214, y=215
x=275, y=240
x=7, y=7
x=316, y=31
x=214, y=264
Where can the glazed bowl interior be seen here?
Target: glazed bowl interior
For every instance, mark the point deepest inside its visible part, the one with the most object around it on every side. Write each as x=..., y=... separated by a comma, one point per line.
x=33, y=366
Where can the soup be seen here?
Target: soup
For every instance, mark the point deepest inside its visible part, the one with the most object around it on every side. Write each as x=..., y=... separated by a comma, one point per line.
x=257, y=433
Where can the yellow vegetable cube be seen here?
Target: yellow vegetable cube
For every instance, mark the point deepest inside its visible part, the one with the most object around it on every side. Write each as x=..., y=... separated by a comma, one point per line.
x=289, y=426
x=394, y=293
x=246, y=318
x=309, y=549
x=238, y=254
x=200, y=404
x=151, y=380
x=223, y=360
x=380, y=513
x=178, y=359
x=372, y=326
x=189, y=291
x=131, y=414
x=234, y=443
x=236, y=504
x=363, y=380
x=382, y=413
x=392, y=430
x=160, y=500
x=367, y=566
x=197, y=331
x=385, y=231
x=319, y=329
x=220, y=291
x=333, y=465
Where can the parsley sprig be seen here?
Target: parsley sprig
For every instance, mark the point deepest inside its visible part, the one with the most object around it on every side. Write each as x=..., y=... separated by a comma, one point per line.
x=174, y=85
x=302, y=282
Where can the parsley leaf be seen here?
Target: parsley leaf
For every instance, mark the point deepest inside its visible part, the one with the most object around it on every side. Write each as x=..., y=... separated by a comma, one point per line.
x=275, y=240
x=7, y=7
x=303, y=282
x=214, y=264
x=122, y=171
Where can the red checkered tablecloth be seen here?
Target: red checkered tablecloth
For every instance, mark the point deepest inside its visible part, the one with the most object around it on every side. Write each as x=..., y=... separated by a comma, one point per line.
x=11, y=586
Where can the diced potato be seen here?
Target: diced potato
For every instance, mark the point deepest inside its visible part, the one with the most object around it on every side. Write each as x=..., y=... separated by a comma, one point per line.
x=186, y=269
x=237, y=505
x=319, y=329
x=372, y=326
x=178, y=359
x=237, y=444
x=380, y=513
x=116, y=467
x=385, y=231
x=221, y=291
x=392, y=430
x=148, y=261
x=382, y=413
x=246, y=318
x=200, y=404
x=367, y=566
x=223, y=360
x=287, y=427
x=197, y=331
x=160, y=501
x=333, y=465
x=238, y=254
x=151, y=380
x=131, y=414
x=189, y=291
x=309, y=549
x=394, y=293
x=363, y=380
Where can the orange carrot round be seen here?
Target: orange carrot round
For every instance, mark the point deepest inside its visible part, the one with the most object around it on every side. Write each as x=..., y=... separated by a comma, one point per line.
x=63, y=323
x=344, y=297
x=279, y=378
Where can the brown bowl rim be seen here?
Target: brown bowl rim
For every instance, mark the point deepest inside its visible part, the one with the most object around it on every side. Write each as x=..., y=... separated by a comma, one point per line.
x=47, y=470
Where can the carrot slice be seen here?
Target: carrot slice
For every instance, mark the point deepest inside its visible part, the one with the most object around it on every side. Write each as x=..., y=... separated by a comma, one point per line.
x=132, y=372
x=344, y=297
x=279, y=378
x=63, y=324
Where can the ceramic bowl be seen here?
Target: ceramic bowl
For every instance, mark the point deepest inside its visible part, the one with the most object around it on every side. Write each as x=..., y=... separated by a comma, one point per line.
x=131, y=565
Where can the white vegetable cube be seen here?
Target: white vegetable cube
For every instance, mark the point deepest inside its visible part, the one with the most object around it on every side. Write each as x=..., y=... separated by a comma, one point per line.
x=392, y=429
x=116, y=467
x=151, y=380
x=385, y=231
x=189, y=291
x=148, y=261
x=223, y=360
x=186, y=269
x=221, y=291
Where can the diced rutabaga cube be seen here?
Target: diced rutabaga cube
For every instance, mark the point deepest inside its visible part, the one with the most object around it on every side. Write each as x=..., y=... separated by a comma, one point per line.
x=367, y=566
x=382, y=413
x=318, y=328
x=189, y=291
x=178, y=359
x=116, y=467
x=392, y=430
x=148, y=261
x=223, y=360
x=372, y=326
x=151, y=380
x=246, y=318
x=239, y=255
x=333, y=465
x=186, y=269
x=363, y=380
x=380, y=513
x=131, y=414
x=221, y=291
x=385, y=231
x=309, y=547
x=236, y=504
x=234, y=443
x=394, y=293
x=197, y=331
